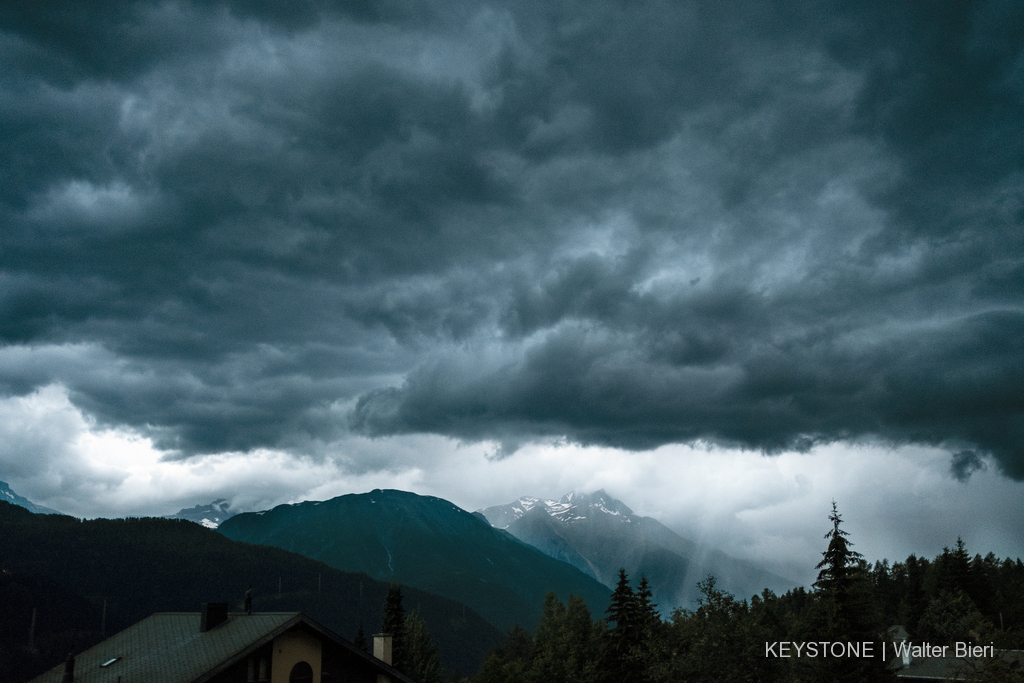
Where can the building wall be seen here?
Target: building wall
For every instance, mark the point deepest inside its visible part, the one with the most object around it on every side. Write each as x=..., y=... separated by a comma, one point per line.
x=291, y=648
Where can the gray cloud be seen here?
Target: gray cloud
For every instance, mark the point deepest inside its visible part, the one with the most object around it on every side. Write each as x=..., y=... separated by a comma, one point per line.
x=226, y=225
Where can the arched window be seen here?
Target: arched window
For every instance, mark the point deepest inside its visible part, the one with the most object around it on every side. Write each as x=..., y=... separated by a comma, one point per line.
x=301, y=673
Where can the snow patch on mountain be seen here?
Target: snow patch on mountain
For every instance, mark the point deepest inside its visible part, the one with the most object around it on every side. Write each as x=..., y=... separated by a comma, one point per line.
x=210, y=516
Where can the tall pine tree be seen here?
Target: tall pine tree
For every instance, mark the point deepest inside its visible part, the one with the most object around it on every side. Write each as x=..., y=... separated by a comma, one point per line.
x=620, y=638
x=647, y=617
x=846, y=610
x=838, y=563
x=394, y=623
x=627, y=647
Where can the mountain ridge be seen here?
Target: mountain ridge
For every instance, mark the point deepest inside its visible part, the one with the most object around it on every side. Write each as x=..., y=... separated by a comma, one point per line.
x=8, y=494
x=426, y=542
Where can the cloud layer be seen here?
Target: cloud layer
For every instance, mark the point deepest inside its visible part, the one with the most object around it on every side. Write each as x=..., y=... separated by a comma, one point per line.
x=771, y=510
x=241, y=226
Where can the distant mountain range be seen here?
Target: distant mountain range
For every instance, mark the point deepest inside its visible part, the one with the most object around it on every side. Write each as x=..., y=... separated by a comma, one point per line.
x=598, y=535
x=210, y=516
x=500, y=561
x=425, y=542
x=11, y=497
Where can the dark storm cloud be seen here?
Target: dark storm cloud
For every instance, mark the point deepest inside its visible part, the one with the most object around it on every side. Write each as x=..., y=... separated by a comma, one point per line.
x=226, y=225
x=964, y=464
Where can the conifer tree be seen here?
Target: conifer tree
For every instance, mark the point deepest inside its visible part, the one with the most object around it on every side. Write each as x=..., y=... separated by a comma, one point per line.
x=582, y=640
x=566, y=646
x=622, y=640
x=394, y=623
x=548, y=653
x=422, y=663
x=622, y=610
x=647, y=631
x=914, y=600
x=648, y=620
x=511, y=663
x=838, y=562
x=846, y=609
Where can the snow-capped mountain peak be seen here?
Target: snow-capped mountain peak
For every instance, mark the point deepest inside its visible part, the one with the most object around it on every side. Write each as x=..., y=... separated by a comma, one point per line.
x=8, y=495
x=569, y=509
x=600, y=535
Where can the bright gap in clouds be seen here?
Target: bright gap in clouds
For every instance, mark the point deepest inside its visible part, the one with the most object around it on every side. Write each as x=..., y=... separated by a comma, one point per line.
x=769, y=509
x=773, y=510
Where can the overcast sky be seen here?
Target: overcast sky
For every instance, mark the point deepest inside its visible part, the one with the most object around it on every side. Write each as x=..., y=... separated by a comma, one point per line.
x=728, y=261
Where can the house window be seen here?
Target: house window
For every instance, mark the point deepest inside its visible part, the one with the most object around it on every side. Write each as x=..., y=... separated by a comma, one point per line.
x=301, y=673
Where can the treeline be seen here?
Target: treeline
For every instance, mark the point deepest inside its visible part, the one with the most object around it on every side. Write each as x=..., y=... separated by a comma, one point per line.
x=951, y=598
x=65, y=584
x=412, y=649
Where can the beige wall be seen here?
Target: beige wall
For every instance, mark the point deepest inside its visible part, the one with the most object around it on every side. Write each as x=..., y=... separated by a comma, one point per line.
x=291, y=648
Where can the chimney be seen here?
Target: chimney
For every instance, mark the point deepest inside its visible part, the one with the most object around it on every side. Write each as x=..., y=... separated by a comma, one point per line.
x=900, y=642
x=69, y=670
x=382, y=647
x=213, y=614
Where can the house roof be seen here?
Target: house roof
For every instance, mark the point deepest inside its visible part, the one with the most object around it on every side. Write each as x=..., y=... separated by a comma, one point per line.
x=932, y=669
x=169, y=647
x=949, y=668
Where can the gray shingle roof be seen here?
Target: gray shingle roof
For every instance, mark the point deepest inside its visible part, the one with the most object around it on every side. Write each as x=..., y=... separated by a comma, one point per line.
x=168, y=646
x=950, y=668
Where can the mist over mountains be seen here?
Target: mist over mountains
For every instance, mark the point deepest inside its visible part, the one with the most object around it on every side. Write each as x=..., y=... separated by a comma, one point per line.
x=599, y=535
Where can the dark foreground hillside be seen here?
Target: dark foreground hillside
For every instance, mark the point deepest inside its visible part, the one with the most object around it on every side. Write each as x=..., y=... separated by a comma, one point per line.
x=68, y=569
